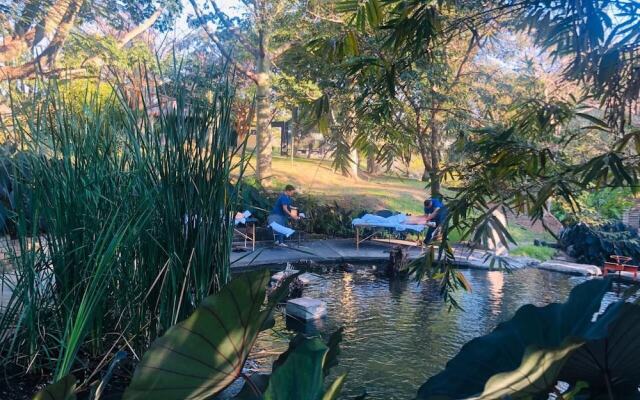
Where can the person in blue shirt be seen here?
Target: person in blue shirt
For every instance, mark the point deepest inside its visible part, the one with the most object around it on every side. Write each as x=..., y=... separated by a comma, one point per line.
x=436, y=212
x=281, y=211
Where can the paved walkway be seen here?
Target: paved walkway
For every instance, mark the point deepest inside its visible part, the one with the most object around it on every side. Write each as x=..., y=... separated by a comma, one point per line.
x=344, y=251
x=338, y=251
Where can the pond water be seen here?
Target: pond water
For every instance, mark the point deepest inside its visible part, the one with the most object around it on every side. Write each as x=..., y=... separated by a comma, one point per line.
x=397, y=334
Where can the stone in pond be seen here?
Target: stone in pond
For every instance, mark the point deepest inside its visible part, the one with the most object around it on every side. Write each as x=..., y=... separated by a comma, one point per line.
x=306, y=308
x=278, y=276
x=309, y=278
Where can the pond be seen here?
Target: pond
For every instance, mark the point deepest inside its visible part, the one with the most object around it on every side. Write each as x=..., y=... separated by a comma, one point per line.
x=397, y=333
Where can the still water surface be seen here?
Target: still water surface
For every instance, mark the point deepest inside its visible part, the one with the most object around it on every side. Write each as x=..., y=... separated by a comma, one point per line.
x=397, y=334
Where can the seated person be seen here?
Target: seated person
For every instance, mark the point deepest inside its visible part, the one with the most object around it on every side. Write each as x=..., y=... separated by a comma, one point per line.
x=436, y=212
x=282, y=212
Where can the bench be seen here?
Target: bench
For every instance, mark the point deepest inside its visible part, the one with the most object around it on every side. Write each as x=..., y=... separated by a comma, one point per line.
x=614, y=267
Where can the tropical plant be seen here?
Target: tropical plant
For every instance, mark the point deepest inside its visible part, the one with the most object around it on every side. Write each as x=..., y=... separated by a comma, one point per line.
x=525, y=357
x=201, y=356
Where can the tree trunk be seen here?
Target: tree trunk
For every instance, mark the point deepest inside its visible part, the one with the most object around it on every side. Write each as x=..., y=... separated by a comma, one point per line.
x=354, y=162
x=293, y=134
x=425, y=154
x=350, y=120
x=263, y=123
x=373, y=167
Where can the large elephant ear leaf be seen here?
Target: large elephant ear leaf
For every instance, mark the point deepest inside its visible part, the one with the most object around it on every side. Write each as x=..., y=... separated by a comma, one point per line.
x=537, y=372
x=202, y=355
x=299, y=374
x=613, y=360
x=64, y=389
x=545, y=336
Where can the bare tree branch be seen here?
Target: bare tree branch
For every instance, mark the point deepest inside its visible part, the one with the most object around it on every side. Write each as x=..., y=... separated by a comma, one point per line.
x=248, y=73
x=22, y=40
x=45, y=60
x=143, y=27
x=234, y=29
x=283, y=49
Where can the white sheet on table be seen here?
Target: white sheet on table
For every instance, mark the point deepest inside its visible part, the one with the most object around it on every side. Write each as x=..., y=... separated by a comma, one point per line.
x=243, y=219
x=395, y=222
x=281, y=229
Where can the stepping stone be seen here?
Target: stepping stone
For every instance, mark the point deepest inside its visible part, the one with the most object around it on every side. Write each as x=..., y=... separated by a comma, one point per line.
x=306, y=308
x=571, y=268
x=278, y=276
x=308, y=278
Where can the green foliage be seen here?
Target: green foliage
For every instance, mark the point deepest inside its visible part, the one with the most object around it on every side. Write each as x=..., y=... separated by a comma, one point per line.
x=298, y=373
x=600, y=40
x=202, y=355
x=525, y=356
x=79, y=48
x=107, y=195
x=322, y=218
x=595, y=207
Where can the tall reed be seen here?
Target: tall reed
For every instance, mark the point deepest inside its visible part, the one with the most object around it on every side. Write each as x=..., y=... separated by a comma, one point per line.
x=123, y=220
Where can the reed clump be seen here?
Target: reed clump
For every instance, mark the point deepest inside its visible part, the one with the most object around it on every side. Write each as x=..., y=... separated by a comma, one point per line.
x=121, y=217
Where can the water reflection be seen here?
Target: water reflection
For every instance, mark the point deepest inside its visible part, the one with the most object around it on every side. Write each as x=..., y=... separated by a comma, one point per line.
x=496, y=283
x=398, y=333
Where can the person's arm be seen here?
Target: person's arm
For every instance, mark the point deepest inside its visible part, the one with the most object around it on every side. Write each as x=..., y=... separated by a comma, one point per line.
x=285, y=208
x=433, y=214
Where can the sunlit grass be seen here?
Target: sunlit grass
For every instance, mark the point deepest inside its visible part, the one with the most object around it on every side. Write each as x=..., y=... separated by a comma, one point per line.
x=537, y=252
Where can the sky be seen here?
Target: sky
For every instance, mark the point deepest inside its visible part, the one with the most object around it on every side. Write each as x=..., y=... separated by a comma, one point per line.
x=230, y=7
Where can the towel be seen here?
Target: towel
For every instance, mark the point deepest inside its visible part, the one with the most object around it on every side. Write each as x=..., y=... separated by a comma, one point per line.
x=241, y=217
x=395, y=222
x=281, y=229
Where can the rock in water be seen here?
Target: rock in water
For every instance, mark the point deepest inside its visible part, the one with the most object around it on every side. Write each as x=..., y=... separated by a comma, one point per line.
x=306, y=308
x=397, y=262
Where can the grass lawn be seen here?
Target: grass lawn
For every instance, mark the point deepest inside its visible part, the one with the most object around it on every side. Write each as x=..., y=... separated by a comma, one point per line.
x=317, y=178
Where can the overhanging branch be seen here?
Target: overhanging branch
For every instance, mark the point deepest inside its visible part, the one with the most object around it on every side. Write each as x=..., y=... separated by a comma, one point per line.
x=249, y=74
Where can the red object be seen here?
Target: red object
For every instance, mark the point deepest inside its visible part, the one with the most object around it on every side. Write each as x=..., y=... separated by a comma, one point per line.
x=619, y=266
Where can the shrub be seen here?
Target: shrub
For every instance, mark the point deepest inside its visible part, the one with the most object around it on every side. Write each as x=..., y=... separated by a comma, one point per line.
x=324, y=218
x=594, y=244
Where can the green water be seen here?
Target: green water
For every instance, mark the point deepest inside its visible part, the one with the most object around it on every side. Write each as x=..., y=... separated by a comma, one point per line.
x=398, y=334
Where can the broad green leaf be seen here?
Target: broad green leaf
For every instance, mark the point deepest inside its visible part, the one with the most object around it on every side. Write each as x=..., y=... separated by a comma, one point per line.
x=504, y=360
x=536, y=374
x=64, y=389
x=298, y=373
x=616, y=355
x=254, y=390
x=331, y=360
x=202, y=355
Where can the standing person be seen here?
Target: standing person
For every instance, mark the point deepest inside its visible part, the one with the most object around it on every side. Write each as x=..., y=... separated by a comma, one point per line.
x=282, y=212
x=435, y=212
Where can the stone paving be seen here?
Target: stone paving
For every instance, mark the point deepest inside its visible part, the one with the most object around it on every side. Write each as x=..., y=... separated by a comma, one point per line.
x=344, y=251
x=337, y=251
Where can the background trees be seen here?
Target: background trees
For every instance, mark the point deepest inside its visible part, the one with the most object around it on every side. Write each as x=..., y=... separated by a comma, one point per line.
x=36, y=31
x=254, y=43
